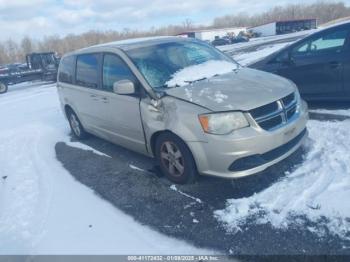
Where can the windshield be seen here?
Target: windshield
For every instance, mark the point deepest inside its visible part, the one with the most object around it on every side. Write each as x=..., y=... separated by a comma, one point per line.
x=159, y=63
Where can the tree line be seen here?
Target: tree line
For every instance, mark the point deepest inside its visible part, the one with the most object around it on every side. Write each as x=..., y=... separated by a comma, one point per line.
x=12, y=51
x=323, y=11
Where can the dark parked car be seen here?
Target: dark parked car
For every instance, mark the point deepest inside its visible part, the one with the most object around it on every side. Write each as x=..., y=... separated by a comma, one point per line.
x=221, y=41
x=319, y=64
x=239, y=39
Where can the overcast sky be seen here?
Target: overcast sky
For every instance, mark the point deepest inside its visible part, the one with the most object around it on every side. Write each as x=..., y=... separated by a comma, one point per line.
x=37, y=18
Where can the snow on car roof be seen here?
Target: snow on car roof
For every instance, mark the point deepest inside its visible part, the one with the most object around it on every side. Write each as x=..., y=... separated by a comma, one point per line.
x=129, y=44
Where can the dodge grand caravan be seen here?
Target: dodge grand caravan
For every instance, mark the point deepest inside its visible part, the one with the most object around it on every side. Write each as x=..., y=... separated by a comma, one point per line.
x=183, y=102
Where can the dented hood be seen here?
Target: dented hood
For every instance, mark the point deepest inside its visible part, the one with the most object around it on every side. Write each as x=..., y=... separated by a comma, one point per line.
x=243, y=90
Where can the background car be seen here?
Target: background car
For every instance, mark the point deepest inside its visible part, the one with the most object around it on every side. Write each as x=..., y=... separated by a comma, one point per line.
x=239, y=39
x=221, y=41
x=319, y=64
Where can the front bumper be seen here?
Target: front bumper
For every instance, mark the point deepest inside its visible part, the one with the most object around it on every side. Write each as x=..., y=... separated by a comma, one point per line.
x=250, y=150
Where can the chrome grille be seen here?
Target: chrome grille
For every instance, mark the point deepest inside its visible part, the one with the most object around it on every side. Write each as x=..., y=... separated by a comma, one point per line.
x=276, y=114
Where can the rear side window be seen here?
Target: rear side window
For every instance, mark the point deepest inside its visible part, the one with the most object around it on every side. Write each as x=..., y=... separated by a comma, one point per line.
x=115, y=69
x=328, y=43
x=87, y=70
x=66, y=70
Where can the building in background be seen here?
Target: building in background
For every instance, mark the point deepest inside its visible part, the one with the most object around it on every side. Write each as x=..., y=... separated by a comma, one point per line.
x=212, y=34
x=284, y=27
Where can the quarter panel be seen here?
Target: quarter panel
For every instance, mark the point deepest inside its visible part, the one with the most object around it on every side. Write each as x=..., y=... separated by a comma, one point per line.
x=74, y=97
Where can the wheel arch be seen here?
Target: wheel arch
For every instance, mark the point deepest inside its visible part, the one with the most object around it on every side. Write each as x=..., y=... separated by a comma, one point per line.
x=68, y=108
x=6, y=86
x=155, y=136
x=188, y=176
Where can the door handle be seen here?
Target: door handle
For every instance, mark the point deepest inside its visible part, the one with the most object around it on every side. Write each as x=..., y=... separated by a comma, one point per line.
x=93, y=96
x=335, y=64
x=104, y=99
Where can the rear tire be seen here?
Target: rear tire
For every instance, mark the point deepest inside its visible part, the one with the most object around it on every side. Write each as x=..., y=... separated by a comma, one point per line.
x=76, y=126
x=3, y=88
x=175, y=159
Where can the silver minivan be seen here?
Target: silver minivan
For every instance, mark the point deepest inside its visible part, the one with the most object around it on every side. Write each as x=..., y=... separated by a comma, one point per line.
x=183, y=102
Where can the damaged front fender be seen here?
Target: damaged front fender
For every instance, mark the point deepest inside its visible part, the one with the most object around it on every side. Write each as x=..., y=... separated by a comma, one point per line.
x=174, y=115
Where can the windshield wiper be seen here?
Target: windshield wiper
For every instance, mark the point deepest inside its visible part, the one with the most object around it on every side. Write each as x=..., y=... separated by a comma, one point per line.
x=238, y=67
x=165, y=87
x=193, y=81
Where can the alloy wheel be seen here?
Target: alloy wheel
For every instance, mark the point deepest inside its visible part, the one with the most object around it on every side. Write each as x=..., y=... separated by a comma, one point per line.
x=2, y=88
x=172, y=159
x=75, y=125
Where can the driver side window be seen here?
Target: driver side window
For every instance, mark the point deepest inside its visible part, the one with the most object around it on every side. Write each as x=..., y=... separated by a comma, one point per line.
x=115, y=69
x=328, y=43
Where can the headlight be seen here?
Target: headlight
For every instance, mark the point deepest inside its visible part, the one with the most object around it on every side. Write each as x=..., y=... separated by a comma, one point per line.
x=223, y=123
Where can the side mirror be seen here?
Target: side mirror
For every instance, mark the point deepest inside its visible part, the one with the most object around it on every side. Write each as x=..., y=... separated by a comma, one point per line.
x=124, y=87
x=286, y=60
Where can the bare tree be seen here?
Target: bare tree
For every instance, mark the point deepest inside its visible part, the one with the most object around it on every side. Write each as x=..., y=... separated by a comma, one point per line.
x=12, y=50
x=27, y=45
x=187, y=24
x=323, y=11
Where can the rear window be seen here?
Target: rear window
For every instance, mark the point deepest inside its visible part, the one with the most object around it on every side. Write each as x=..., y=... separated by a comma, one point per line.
x=87, y=70
x=66, y=70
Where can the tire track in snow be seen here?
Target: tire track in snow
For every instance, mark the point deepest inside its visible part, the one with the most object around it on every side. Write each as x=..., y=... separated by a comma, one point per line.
x=27, y=192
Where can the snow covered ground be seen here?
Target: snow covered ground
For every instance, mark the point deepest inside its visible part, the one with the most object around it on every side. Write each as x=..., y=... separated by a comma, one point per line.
x=43, y=210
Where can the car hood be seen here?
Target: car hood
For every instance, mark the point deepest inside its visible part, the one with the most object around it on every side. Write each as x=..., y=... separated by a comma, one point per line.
x=243, y=90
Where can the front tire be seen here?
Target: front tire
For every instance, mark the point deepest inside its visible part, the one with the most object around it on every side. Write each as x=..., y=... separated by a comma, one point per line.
x=3, y=88
x=76, y=126
x=175, y=159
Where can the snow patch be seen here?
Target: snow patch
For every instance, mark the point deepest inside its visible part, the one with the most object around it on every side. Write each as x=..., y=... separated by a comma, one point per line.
x=188, y=93
x=318, y=189
x=137, y=168
x=85, y=147
x=174, y=188
x=219, y=97
x=202, y=71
